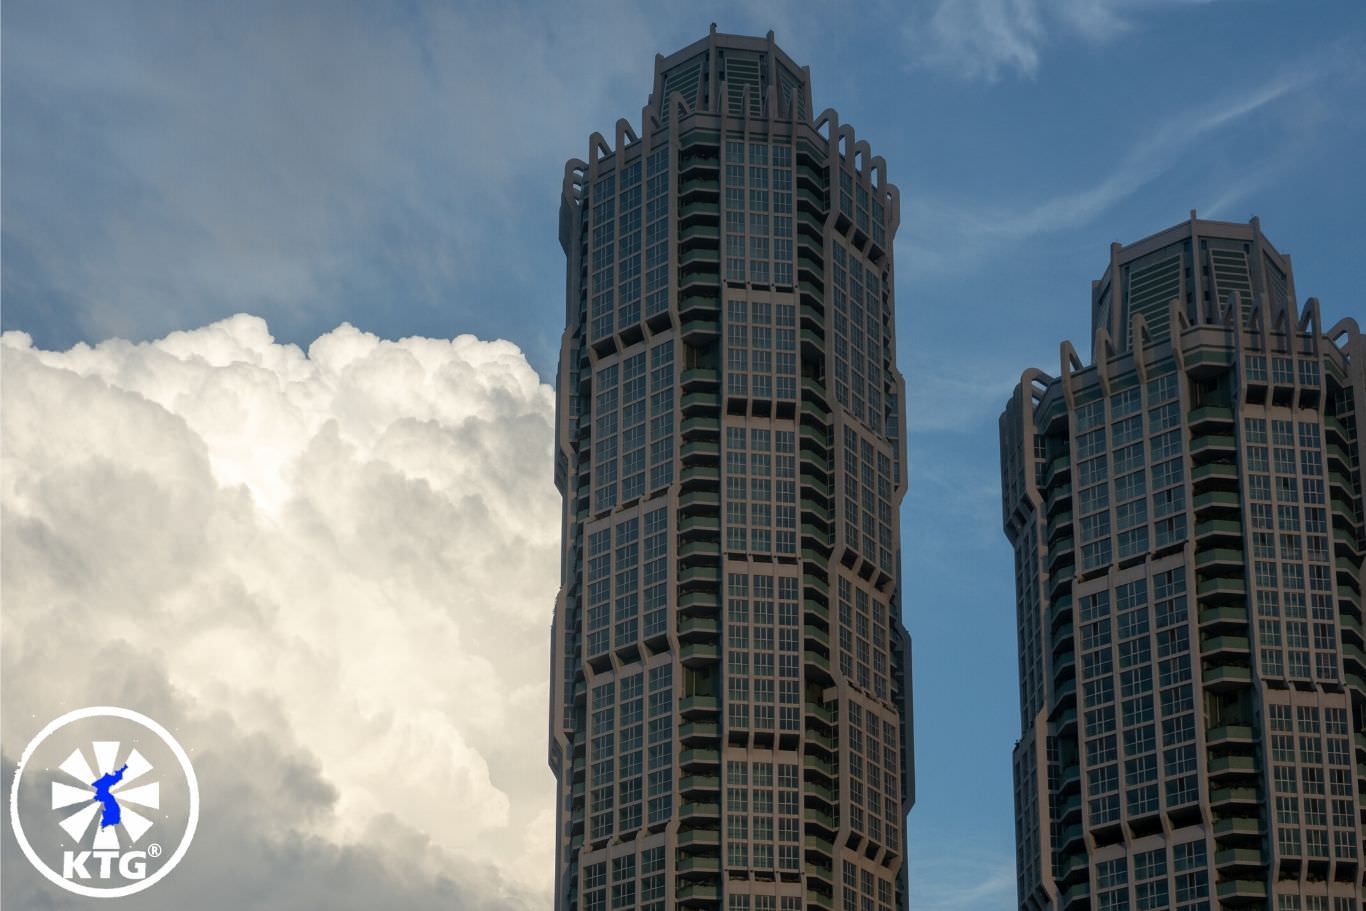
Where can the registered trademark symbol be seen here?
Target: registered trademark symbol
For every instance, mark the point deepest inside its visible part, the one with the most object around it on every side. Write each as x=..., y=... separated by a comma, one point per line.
x=154, y=850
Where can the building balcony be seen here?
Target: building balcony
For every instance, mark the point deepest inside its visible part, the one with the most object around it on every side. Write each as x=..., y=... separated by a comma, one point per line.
x=706, y=211
x=1233, y=796
x=1060, y=611
x=1058, y=523
x=699, y=838
x=1233, y=765
x=1245, y=890
x=1208, y=446
x=1064, y=549
x=699, y=187
x=699, y=784
x=699, y=576
x=1221, y=591
x=1237, y=828
x=696, y=401
x=693, y=525
x=1224, y=560
x=811, y=200
x=1214, y=531
x=700, y=330
x=1224, y=617
x=813, y=178
x=693, y=731
x=1222, y=475
x=698, y=653
x=1212, y=502
x=1059, y=497
x=699, y=602
x=1211, y=417
x=1225, y=645
x=698, y=627
x=1059, y=469
x=707, y=500
x=690, y=706
x=699, y=759
x=815, y=634
x=820, y=820
x=1227, y=677
x=1229, y=734
x=694, y=892
x=699, y=233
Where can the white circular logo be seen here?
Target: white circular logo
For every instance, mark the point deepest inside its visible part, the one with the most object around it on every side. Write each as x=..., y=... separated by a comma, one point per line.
x=109, y=799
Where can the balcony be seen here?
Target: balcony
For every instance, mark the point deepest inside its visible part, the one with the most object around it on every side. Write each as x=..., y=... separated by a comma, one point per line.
x=698, y=730
x=693, y=759
x=1230, y=529
x=1211, y=416
x=701, y=186
x=707, y=211
x=699, y=838
x=1237, y=827
x=1220, y=559
x=698, y=863
x=701, y=428
x=1233, y=796
x=1229, y=734
x=1241, y=889
x=1223, y=616
x=692, y=784
x=690, y=706
x=708, y=499
x=1227, y=677
x=696, y=653
x=692, y=524
x=1207, y=447
x=697, y=576
x=1236, y=645
x=698, y=892
x=1222, y=474
x=691, y=627
x=1221, y=590
x=1216, y=501
x=695, y=401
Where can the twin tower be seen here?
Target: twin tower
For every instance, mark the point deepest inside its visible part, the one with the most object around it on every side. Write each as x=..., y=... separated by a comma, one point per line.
x=731, y=721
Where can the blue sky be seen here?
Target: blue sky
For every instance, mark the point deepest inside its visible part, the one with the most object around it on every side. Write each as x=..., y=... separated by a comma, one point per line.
x=398, y=167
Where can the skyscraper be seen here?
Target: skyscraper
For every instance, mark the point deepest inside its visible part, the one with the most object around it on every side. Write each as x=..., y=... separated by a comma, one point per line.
x=1186, y=514
x=730, y=708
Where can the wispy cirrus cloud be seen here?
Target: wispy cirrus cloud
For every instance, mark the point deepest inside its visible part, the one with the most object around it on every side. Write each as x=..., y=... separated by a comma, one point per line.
x=960, y=877
x=988, y=39
x=944, y=231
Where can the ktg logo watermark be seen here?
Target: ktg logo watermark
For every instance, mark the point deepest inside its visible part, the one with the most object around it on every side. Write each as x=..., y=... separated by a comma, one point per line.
x=104, y=802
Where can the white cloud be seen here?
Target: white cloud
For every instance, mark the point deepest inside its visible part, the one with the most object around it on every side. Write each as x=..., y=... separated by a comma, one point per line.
x=984, y=39
x=337, y=565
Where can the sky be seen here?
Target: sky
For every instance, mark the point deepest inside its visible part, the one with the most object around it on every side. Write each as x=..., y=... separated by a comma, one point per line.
x=282, y=291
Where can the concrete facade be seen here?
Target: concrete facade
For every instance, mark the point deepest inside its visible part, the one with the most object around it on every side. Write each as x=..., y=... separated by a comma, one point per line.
x=730, y=708
x=1186, y=515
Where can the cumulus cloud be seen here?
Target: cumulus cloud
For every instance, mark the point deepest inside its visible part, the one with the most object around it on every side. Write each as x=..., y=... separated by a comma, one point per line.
x=331, y=572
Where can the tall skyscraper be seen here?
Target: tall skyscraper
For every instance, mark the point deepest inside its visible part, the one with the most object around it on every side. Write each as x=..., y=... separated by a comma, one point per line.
x=730, y=710
x=1186, y=514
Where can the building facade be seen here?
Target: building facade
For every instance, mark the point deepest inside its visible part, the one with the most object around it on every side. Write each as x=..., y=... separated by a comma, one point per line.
x=730, y=709
x=1186, y=516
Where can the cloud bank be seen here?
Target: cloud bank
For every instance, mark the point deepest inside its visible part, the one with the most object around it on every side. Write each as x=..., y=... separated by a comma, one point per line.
x=330, y=573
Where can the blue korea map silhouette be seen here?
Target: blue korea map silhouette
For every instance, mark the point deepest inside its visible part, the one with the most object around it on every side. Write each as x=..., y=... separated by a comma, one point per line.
x=111, y=814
